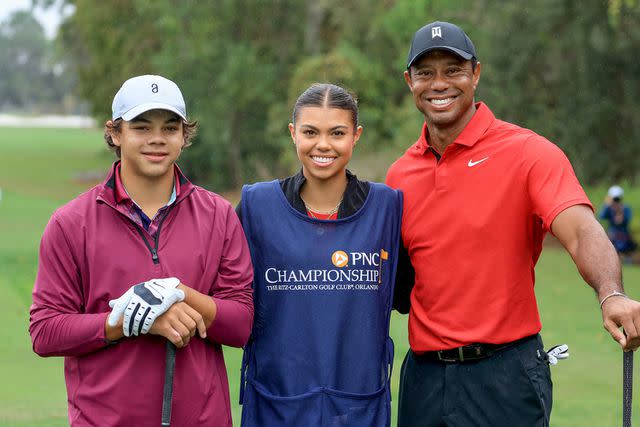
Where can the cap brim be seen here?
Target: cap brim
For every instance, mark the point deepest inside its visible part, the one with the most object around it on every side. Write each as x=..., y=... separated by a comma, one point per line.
x=461, y=53
x=143, y=108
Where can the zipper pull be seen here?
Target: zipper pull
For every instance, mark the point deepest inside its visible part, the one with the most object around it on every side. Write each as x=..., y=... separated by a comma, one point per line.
x=154, y=256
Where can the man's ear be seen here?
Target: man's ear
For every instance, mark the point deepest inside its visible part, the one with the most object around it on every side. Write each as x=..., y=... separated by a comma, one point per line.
x=407, y=78
x=476, y=75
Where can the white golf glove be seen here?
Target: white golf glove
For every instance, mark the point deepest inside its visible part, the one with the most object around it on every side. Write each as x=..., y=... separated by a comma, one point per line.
x=143, y=303
x=558, y=352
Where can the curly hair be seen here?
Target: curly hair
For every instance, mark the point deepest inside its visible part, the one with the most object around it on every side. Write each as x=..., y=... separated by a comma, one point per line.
x=189, y=130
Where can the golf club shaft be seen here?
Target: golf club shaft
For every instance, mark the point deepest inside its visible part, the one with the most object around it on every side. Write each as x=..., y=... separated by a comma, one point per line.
x=167, y=393
x=627, y=387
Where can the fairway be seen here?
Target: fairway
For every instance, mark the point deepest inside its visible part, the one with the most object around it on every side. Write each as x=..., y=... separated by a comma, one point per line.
x=41, y=169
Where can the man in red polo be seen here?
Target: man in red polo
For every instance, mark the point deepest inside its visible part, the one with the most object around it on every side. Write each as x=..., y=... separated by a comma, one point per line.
x=480, y=195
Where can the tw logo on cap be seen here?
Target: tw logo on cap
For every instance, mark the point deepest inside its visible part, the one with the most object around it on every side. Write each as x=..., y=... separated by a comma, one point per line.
x=436, y=32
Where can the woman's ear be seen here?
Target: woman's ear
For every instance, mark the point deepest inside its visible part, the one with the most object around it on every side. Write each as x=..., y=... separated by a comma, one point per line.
x=292, y=131
x=357, y=135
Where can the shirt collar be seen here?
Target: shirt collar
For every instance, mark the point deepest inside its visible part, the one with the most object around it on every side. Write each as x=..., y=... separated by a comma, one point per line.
x=472, y=132
x=299, y=180
x=121, y=194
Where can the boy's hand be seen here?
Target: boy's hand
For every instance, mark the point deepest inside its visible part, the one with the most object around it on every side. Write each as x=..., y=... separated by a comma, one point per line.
x=143, y=303
x=179, y=324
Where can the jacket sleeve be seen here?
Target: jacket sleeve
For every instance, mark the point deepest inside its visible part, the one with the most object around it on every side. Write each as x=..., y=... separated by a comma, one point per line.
x=57, y=324
x=232, y=290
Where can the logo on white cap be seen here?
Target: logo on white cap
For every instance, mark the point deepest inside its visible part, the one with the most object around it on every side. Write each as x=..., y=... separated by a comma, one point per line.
x=436, y=32
x=143, y=93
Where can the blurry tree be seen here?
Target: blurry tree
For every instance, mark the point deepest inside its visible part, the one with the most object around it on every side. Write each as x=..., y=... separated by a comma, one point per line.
x=234, y=58
x=33, y=77
x=564, y=68
x=231, y=58
x=108, y=42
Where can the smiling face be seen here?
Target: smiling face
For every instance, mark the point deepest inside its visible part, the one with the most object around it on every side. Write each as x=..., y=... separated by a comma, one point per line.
x=324, y=139
x=443, y=86
x=150, y=144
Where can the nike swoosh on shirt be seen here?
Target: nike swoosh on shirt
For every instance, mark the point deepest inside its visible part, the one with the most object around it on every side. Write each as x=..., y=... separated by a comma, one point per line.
x=472, y=163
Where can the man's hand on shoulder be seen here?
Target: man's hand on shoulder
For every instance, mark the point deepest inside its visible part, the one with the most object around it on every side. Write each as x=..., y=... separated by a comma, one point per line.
x=619, y=311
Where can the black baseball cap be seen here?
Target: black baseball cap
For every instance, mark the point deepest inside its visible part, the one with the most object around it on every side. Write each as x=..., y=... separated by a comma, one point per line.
x=440, y=35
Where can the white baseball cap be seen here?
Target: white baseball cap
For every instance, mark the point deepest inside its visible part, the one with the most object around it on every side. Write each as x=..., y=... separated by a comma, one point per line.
x=143, y=93
x=615, y=191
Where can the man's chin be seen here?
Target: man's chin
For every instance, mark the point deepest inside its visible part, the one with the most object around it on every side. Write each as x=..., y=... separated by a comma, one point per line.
x=441, y=120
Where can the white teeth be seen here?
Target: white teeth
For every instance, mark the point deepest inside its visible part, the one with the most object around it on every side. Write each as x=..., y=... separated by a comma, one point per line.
x=441, y=101
x=322, y=159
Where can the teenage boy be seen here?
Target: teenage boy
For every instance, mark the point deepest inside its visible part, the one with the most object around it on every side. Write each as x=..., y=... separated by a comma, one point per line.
x=169, y=257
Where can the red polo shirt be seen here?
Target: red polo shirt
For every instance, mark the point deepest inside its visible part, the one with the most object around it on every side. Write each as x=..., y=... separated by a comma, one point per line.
x=473, y=224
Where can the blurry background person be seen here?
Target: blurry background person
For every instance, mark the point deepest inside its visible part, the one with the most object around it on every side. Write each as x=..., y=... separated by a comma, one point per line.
x=618, y=216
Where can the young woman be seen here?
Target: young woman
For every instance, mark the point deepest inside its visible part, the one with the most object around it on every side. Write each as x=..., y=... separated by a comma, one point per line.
x=324, y=247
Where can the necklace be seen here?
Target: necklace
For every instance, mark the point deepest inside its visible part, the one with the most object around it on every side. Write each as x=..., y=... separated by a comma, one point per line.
x=311, y=210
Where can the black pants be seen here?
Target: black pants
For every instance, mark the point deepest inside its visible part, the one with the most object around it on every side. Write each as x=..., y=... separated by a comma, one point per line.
x=510, y=388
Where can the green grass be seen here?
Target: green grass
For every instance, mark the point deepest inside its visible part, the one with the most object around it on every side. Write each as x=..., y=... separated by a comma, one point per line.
x=41, y=168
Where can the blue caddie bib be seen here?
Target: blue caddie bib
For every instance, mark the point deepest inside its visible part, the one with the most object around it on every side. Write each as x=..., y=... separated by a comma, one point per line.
x=320, y=352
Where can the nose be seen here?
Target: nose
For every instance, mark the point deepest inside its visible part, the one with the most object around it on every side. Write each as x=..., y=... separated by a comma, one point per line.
x=439, y=82
x=157, y=137
x=323, y=143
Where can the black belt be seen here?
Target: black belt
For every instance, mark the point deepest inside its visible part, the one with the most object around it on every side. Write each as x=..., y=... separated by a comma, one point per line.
x=466, y=353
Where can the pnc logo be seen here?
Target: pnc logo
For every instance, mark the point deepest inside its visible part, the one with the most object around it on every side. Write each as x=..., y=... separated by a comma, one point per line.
x=340, y=258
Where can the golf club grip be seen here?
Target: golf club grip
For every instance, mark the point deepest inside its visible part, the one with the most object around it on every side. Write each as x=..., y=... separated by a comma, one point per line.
x=167, y=393
x=627, y=387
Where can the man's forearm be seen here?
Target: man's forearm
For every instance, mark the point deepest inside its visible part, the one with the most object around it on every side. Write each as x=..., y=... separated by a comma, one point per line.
x=598, y=262
x=592, y=252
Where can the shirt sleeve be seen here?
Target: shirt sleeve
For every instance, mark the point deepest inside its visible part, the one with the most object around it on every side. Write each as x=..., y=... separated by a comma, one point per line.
x=232, y=291
x=58, y=325
x=551, y=182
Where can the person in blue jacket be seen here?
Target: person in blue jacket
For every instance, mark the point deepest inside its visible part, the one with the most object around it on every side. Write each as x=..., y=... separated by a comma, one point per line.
x=324, y=247
x=618, y=216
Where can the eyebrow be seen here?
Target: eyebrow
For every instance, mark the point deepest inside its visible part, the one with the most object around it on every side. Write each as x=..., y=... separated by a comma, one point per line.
x=315, y=128
x=425, y=65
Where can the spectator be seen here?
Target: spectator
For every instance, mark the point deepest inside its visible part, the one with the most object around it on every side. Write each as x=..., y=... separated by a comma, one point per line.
x=618, y=216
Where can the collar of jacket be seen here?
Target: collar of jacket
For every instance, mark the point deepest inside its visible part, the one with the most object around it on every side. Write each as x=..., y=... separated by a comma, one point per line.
x=353, y=199
x=108, y=192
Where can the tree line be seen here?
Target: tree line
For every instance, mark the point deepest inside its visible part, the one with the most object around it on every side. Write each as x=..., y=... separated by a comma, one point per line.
x=34, y=77
x=564, y=68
